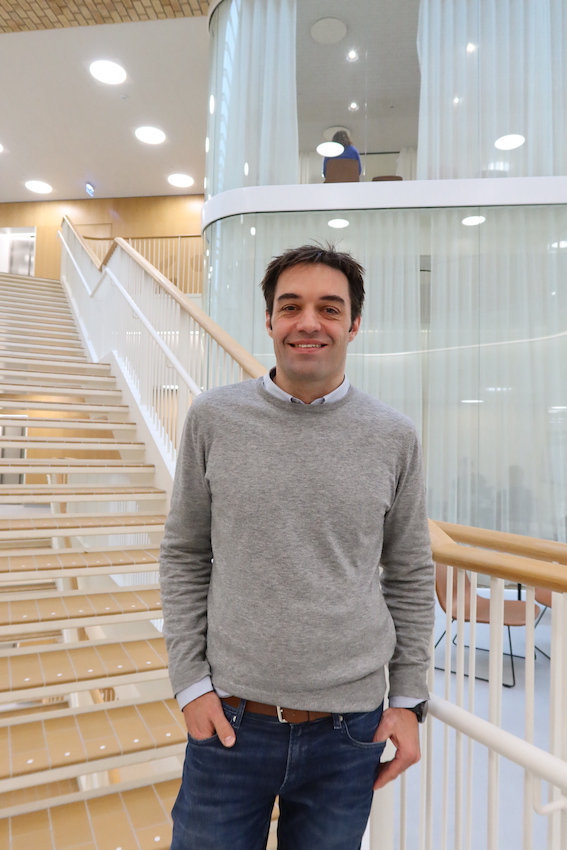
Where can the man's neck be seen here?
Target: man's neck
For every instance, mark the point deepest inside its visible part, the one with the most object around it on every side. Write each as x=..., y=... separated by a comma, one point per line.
x=307, y=391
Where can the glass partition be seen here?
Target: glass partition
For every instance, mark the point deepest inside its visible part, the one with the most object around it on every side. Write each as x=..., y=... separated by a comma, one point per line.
x=425, y=88
x=464, y=330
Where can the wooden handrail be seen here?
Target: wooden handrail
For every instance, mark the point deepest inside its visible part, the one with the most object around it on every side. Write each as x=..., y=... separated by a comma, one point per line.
x=516, y=544
x=538, y=572
x=245, y=360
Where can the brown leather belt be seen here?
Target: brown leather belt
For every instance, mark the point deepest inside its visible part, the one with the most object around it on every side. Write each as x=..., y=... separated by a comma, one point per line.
x=284, y=715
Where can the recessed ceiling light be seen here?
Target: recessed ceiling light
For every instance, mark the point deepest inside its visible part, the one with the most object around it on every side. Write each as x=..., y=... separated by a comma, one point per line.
x=471, y=47
x=338, y=223
x=352, y=56
x=246, y=169
x=473, y=220
x=39, y=186
x=252, y=231
x=182, y=181
x=330, y=149
x=107, y=72
x=207, y=144
x=328, y=31
x=353, y=106
x=212, y=104
x=508, y=143
x=456, y=100
x=150, y=135
x=471, y=401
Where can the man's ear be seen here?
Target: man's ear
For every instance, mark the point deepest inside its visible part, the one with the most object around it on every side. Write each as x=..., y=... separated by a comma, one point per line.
x=354, y=329
x=268, y=323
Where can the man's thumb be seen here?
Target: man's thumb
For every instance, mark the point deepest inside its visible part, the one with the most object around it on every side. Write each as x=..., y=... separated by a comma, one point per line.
x=224, y=730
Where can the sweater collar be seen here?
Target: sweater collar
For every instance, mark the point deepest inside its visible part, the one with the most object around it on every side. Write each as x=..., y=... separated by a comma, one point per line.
x=277, y=392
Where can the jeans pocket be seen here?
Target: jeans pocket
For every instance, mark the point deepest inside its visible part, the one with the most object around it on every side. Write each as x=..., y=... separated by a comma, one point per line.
x=202, y=741
x=358, y=730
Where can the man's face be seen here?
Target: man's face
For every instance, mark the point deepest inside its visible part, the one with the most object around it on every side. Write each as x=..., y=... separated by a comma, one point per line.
x=311, y=329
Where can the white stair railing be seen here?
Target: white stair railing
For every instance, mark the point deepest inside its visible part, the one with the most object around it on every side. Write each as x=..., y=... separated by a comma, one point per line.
x=487, y=750
x=167, y=348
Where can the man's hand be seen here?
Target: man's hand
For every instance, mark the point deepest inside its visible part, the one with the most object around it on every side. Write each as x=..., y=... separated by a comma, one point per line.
x=401, y=726
x=204, y=717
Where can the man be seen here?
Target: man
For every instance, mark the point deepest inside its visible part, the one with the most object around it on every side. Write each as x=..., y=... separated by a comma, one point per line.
x=290, y=492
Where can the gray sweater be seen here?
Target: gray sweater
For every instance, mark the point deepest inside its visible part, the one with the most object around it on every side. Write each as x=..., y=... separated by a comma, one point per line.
x=281, y=515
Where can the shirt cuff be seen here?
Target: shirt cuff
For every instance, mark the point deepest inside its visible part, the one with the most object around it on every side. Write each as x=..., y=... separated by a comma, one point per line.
x=404, y=702
x=187, y=695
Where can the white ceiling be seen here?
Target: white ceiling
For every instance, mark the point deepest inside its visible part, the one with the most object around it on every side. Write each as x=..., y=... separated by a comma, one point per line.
x=59, y=125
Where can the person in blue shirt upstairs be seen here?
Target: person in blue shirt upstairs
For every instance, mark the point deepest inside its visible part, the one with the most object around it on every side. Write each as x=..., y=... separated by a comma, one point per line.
x=350, y=152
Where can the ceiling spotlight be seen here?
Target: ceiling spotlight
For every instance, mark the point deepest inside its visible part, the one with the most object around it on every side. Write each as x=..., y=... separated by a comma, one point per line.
x=338, y=223
x=473, y=220
x=39, y=186
x=352, y=56
x=471, y=401
x=107, y=72
x=182, y=181
x=471, y=47
x=508, y=143
x=456, y=100
x=212, y=104
x=89, y=189
x=150, y=135
x=353, y=107
x=330, y=149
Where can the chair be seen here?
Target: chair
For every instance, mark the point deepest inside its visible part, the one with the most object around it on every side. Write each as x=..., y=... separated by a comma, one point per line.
x=544, y=596
x=342, y=171
x=386, y=177
x=514, y=611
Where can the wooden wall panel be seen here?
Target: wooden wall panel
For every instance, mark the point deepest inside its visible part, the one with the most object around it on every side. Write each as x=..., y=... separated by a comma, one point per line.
x=169, y=215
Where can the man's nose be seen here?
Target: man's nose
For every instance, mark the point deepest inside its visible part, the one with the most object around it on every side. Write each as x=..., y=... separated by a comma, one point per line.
x=309, y=320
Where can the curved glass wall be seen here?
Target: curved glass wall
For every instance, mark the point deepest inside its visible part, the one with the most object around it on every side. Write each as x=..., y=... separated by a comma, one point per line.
x=464, y=330
x=425, y=88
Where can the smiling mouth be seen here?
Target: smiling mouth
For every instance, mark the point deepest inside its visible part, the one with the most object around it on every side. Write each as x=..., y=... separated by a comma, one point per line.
x=307, y=344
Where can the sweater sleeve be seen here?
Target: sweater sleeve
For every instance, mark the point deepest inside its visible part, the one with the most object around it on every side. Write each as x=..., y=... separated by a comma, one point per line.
x=408, y=578
x=186, y=561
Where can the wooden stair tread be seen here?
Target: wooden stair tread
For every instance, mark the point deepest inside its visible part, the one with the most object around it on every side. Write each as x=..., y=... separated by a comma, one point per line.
x=78, y=740
x=61, y=669
x=138, y=819
x=77, y=606
x=69, y=442
x=46, y=494
x=31, y=421
x=57, y=390
x=57, y=376
x=61, y=562
x=80, y=520
x=36, y=404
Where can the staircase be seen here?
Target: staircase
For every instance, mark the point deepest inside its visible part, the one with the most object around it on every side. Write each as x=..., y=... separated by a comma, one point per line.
x=91, y=742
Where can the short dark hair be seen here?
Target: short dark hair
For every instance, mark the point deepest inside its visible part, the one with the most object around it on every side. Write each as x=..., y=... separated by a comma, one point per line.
x=326, y=255
x=342, y=137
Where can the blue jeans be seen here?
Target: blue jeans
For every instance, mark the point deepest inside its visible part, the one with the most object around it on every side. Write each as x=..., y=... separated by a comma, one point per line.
x=322, y=770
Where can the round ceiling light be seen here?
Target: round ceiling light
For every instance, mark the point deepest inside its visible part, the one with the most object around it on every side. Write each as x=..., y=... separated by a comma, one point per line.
x=107, y=72
x=150, y=135
x=39, y=186
x=353, y=106
x=330, y=149
x=508, y=143
x=473, y=220
x=182, y=181
x=328, y=31
x=338, y=223
x=352, y=56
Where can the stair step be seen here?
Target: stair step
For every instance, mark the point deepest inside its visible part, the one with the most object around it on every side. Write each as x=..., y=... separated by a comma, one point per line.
x=45, y=340
x=27, y=674
x=70, y=525
x=31, y=421
x=71, y=562
x=76, y=609
x=64, y=379
x=48, y=389
x=65, y=367
x=47, y=466
x=35, y=349
x=71, y=407
x=14, y=308
x=70, y=443
x=18, y=300
x=17, y=323
x=138, y=818
x=36, y=751
x=40, y=494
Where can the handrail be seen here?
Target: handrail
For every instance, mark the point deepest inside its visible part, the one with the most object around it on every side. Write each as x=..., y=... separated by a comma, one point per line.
x=544, y=765
x=98, y=263
x=244, y=359
x=511, y=567
x=517, y=544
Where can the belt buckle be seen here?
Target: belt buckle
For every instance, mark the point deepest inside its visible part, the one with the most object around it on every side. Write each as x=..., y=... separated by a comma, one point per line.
x=280, y=711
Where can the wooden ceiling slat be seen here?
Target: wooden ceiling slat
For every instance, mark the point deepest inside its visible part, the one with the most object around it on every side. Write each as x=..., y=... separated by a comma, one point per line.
x=22, y=16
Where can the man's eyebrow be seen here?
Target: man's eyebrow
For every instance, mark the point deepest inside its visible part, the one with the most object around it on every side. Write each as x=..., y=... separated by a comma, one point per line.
x=289, y=296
